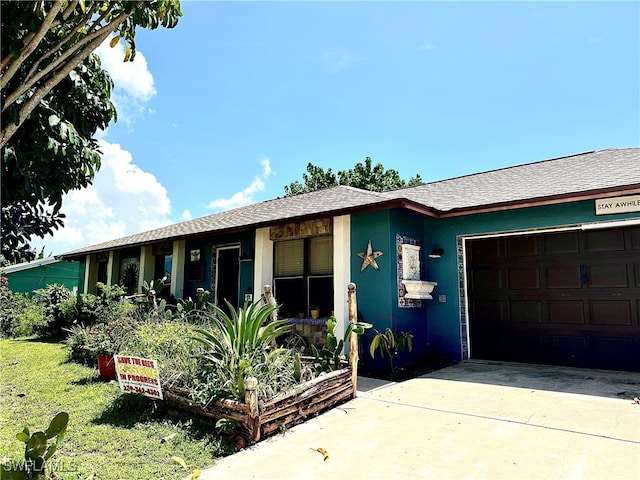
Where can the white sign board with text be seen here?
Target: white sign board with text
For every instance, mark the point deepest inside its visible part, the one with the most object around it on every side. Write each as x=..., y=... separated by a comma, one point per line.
x=608, y=206
x=138, y=375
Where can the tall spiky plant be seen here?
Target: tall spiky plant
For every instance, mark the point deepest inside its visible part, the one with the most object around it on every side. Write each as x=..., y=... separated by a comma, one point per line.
x=240, y=344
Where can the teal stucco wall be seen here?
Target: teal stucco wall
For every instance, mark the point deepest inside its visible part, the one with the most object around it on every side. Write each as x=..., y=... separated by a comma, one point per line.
x=377, y=290
x=246, y=240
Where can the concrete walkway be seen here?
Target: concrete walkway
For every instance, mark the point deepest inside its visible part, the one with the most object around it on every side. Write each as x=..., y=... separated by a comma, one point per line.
x=474, y=420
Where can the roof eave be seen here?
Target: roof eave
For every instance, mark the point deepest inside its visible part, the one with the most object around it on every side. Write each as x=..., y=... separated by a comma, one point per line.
x=385, y=204
x=542, y=201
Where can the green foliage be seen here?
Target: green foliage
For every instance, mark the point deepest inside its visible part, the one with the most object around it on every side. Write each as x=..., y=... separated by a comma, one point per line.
x=330, y=356
x=55, y=97
x=87, y=309
x=111, y=435
x=19, y=315
x=171, y=343
x=389, y=343
x=364, y=176
x=196, y=309
x=241, y=344
x=37, y=450
x=102, y=338
x=53, y=298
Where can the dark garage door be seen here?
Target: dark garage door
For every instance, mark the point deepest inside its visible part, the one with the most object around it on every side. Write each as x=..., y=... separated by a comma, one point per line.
x=567, y=298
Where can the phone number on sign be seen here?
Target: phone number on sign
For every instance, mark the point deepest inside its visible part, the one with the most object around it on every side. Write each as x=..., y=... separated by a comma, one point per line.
x=147, y=391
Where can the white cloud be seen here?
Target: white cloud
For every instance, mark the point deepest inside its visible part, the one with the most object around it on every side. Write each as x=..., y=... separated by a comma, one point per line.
x=245, y=196
x=336, y=60
x=186, y=215
x=426, y=47
x=133, y=81
x=122, y=200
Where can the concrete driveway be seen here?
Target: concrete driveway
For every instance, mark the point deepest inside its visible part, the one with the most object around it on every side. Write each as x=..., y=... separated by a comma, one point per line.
x=474, y=420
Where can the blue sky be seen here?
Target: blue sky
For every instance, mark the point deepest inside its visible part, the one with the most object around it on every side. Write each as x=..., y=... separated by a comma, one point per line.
x=230, y=106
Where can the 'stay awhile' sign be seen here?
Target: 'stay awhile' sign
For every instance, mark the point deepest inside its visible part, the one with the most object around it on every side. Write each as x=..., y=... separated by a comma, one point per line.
x=608, y=206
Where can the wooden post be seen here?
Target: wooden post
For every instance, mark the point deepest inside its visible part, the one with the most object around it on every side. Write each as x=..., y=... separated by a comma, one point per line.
x=353, y=338
x=251, y=399
x=271, y=301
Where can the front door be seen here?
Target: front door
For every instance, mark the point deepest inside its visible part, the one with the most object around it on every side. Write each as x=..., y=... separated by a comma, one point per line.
x=227, y=277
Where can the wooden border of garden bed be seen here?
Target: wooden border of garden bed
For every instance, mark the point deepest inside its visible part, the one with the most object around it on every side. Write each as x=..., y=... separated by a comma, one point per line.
x=261, y=419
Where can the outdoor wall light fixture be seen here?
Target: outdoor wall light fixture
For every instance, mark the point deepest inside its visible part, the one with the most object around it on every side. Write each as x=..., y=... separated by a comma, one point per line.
x=437, y=251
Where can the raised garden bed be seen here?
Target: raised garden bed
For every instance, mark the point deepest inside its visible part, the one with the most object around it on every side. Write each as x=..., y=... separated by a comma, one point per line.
x=261, y=419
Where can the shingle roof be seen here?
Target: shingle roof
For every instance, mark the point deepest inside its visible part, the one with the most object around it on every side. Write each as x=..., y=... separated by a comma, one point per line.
x=590, y=171
x=584, y=172
x=331, y=200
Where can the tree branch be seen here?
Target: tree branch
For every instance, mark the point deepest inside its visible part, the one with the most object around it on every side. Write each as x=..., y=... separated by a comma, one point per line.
x=69, y=10
x=10, y=128
x=65, y=57
x=57, y=47
x=32, y=45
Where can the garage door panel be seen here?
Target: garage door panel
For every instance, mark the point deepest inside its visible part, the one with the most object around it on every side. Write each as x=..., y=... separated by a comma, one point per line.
x=607, y=240
x=561, y=243
x=615, y=353
x=523, y=278
x=489, y=311
x=635, y=238
x=608, y=276
x=525, y=312
x=567, y=312
x=567, y=298
x=563, y=276
x=568, y=350
x=487, y=278
x=526, y=347
x=521, y=247
x=490, y=248
x=610, y=312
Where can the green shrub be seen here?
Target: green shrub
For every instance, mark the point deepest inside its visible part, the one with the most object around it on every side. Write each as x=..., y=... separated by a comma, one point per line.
x=242, y=345
x=50, y=298
x=105, y=338
x=89, y=309
x=171, y=343
x=31, y=319
x=20, y=316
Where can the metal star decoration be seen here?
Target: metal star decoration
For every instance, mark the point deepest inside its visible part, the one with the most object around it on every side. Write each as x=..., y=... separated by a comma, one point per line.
x=369, y=257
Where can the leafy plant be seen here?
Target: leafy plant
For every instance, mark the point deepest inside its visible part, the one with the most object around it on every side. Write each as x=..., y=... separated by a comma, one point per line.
x=103, y=338
x=51, y=298
x=330, y=356
x=171, y=343
x=37, y=450
x=241, y=344
x=389, y=343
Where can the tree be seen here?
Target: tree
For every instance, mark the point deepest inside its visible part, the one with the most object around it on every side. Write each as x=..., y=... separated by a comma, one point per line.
x=364, y=176
x=42, y=42
x=55, y=97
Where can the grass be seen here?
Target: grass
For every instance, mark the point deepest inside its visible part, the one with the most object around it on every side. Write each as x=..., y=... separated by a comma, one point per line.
x=111, y=435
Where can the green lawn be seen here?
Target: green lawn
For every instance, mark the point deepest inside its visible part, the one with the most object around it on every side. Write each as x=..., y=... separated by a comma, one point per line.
x=110, y=435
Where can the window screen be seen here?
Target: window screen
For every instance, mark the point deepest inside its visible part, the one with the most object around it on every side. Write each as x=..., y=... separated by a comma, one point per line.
x=289, y=258
x=321, y=255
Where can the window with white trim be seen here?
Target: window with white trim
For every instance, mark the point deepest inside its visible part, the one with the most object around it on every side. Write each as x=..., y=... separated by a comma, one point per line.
x=303, y=276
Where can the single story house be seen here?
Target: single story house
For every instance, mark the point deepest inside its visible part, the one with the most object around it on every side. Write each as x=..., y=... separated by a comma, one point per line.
x=533, y=263
x=29, y=276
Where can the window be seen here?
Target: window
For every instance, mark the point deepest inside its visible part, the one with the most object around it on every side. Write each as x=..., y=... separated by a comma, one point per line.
x=303, y=271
